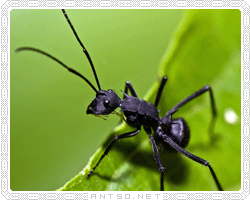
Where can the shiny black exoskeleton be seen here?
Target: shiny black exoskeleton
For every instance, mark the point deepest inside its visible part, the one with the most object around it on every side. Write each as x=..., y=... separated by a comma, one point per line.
x=138, y=113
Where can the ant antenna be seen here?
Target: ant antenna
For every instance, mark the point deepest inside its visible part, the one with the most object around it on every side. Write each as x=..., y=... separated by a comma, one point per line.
x=84, y=49
x=60, y=62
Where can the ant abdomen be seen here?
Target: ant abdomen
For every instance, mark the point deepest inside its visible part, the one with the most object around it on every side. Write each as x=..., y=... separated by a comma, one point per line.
x=177, y=129
x=179, y=132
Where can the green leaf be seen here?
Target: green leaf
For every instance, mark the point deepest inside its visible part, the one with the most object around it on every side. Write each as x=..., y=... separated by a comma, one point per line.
x=204, y=50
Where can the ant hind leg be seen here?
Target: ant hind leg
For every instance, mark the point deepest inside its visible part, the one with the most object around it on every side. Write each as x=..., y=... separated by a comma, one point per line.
x=207, y=88
x=193, y=157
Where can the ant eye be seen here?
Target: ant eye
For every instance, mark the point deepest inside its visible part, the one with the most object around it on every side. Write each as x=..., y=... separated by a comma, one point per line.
x=106, y=103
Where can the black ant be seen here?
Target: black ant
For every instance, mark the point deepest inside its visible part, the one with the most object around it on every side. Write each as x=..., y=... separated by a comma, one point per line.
x=175, y=132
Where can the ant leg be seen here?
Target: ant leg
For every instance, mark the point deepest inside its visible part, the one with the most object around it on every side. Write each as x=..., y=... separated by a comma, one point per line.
x=194, y=95
x=125, y=135
x=157, y=156
x=129, y=86
x=193, y=157
x=158, y=96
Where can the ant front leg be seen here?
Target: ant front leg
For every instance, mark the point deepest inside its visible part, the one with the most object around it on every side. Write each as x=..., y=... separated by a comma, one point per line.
x=193, y=157
x=157, y=156
x=129, y=86
x=158, y=96
x=125, y=135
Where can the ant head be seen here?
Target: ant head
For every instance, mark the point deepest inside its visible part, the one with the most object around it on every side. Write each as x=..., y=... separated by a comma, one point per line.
x=104, y=103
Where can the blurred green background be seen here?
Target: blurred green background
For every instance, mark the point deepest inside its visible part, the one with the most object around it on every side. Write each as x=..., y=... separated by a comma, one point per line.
x=52, y=138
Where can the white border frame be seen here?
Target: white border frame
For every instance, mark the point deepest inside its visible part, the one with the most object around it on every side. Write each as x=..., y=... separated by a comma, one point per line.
x=179, y=4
